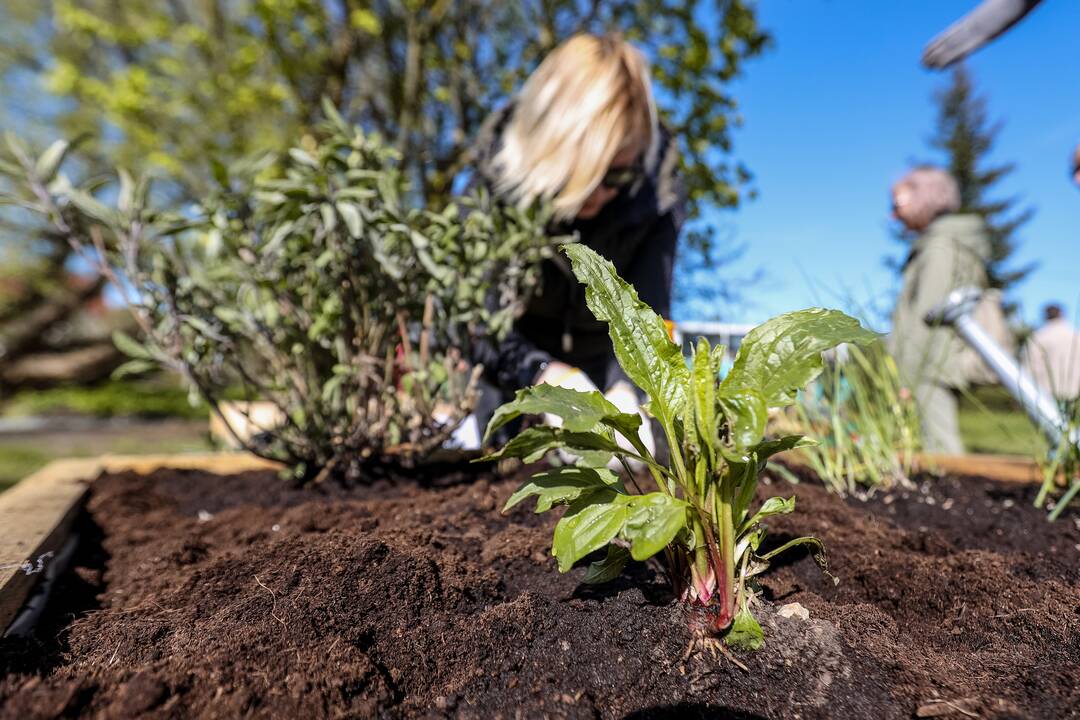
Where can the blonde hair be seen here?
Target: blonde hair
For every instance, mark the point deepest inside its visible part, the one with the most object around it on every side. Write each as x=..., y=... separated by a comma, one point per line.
x=590, y=99
x=934, y=193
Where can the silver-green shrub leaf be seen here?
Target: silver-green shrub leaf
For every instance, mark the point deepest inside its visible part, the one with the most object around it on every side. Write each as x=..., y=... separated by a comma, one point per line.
x=313, y=282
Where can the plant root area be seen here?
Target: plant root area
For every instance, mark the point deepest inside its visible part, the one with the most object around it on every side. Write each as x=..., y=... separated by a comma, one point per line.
x=194, y=595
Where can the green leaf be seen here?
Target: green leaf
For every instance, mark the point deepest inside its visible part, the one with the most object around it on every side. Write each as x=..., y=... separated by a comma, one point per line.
x=94, y=208
x=281, y=232
x=18, y=148
x=745, y=632
x=754, y=461
x=133, y=367
x=765, y=450
x=817, y=551
x=782, y=355
x=562, y=486
x=534, y=443
x=125, y=198
x=220, y=172
x=654, y=521
x=640, y=338
x=588, y=525
x=772, y=506
x=129, y=346
x=49, y=162
x=580, y=411
x=332, y=114
x=329, y=217
x=704, y=388
x=332, y=386
x=366, y=21
x=303, y=157
x=746, y=415
x=609, y=568
x=352, y=218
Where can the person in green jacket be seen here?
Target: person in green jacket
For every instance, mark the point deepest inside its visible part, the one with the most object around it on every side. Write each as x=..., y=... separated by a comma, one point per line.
x=950, y=251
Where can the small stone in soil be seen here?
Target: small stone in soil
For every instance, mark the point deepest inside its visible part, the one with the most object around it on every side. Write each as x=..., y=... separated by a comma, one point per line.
x=794, y=610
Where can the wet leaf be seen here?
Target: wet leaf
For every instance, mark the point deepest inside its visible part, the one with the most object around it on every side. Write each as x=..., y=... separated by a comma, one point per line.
x=562, y=486
x=782, y=355
x=580, y=411
x=654, y=521
x=639, y=336
x=534, y=443
x=609, y=568
x=745, y=632
x=588, y=525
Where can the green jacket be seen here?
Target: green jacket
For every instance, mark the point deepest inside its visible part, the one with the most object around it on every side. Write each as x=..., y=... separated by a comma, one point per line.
x=952, y=252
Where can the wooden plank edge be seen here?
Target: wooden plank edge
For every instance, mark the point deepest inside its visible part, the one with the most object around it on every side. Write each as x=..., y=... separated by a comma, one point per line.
x=1002, y=468
x=35, y=519
x=37, y=514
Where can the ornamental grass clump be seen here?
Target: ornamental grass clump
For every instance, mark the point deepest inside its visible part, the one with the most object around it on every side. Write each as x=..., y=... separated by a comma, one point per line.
x=699, y=520
x=866, y=422
x=311, y=282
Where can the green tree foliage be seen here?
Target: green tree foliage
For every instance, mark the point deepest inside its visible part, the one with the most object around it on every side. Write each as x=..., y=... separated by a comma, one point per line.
x=965, y=137
x=173, y=84
x=321, y=289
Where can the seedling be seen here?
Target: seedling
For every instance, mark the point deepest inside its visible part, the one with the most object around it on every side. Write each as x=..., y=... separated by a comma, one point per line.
x=699, y=518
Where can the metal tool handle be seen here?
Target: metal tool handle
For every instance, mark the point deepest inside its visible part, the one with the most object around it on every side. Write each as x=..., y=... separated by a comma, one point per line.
x=1043, y=410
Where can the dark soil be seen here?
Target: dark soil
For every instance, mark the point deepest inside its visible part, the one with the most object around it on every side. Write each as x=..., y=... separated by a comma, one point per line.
x=198, y=596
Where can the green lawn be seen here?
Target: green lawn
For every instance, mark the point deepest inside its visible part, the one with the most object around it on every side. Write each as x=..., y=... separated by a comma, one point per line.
x=154, y=397
x=18, y=462
x=991, y=421
x=22, y=455
x=163, y=421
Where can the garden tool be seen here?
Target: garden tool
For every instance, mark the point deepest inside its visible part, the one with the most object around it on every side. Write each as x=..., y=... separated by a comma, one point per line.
x=956, y=311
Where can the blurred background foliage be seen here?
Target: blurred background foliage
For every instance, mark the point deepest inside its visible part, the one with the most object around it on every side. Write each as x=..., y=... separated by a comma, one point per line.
x=174, y=84
x=178, y=87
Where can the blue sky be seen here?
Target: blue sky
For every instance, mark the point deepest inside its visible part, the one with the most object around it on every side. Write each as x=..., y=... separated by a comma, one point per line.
x=838, y=107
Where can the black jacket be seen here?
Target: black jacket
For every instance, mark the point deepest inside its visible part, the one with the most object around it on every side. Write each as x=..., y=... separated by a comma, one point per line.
x=636, y=231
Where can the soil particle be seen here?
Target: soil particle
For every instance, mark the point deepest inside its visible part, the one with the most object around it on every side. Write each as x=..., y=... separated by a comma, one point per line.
x=193, y=595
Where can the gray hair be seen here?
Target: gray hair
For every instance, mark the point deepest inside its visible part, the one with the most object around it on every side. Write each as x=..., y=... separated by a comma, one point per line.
x=934, y=192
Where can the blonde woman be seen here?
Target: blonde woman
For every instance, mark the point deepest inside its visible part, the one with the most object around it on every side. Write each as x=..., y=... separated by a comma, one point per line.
x=582, y=134
x=950, y=251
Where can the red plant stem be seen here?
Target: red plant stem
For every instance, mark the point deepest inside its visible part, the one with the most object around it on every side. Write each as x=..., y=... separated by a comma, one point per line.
x=723, y=570
x=724, y=560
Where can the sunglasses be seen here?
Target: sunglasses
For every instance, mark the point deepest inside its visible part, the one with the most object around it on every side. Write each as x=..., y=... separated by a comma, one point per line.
x=622, y=178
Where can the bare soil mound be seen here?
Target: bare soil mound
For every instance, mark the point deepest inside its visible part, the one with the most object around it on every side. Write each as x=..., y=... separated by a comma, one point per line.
x=194, y=595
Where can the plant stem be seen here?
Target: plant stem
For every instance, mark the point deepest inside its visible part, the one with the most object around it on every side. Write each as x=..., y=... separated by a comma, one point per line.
x=725, y=563
x=1065, y=500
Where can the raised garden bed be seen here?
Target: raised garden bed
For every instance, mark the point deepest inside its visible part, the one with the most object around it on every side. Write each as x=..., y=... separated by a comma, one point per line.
x=197, y=595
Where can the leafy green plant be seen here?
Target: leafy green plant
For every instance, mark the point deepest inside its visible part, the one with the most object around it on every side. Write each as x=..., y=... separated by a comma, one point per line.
x=699, y=518
x=311, y=283
x=1062, y=464
x=867, y=424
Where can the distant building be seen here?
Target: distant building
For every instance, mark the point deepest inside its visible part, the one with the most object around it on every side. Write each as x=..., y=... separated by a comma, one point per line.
x=730, y=335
